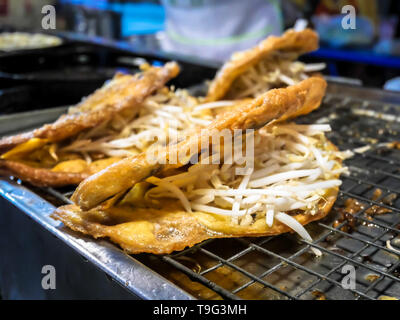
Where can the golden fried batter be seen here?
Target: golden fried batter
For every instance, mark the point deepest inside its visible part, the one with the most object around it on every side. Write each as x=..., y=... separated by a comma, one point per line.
x=274, y=105
x=124, y=92
x=169, y=228
x=290, y=42
x=66, y=173
x=41, y=177
x=163, y=231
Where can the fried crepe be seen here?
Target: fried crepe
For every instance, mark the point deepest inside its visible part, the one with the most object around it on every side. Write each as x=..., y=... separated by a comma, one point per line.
x=150, y=230
x=82, y=153
x=275, y=105
x=270, y=64
x=150, y=215
x=32, y=156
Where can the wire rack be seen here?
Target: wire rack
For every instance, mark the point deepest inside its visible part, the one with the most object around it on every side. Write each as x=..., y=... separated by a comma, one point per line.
x=354, y=237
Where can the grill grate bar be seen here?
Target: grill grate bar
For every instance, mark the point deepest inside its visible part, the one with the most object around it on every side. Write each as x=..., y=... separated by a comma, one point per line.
x=300, y=267
x=370, y=243
x=210, y=284
x=375, y=171
x=376, y=223
x=381, y=277
x=293, y=256
x=376, y=185
x=190, y=249
x=379, y=158
x=281, y=264
x=231, y=259
x=392, y=277
x=349, y=259
x=358, y=252
x=374, y=202
x=245, y=272
x=58, y=195
x=359, y=142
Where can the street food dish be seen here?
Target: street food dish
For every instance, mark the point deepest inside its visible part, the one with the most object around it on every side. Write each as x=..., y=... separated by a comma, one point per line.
x=50, y=155
x=271, y=64
x=10, y=41
x=188, y=190
x=160, y=208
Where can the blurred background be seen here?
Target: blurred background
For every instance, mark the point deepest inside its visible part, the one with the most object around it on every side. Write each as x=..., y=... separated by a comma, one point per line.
x=212, y=29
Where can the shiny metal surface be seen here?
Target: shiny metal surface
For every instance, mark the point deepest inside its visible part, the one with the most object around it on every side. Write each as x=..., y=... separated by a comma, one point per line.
x=24, y=121
x=125, y=270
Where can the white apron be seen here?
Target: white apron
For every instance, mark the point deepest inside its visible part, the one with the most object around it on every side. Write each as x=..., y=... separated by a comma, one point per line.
x=213, y=29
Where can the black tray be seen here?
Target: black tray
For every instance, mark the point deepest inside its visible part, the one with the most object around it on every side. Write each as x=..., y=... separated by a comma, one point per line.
x=62, y=75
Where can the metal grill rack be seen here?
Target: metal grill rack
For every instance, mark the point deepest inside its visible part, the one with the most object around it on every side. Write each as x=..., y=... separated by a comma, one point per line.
x=356, y=235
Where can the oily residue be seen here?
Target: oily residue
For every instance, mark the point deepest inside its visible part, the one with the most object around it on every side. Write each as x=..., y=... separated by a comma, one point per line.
x=387, y=298
x=396, y=272
x=353, y=206
x=371, y=277
x=318, y=295
x=378, y=210
x=190, y=263
x=394, y=145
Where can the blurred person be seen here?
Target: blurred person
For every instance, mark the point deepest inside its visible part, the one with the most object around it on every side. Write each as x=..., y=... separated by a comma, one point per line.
x=214, y=29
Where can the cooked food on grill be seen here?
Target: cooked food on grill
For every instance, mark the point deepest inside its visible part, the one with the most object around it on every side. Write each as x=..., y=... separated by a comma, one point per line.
x=10, y=41
x=277, y=104
x=162, y=207
x=127, y=116
x=90, y=137
x=270, y=64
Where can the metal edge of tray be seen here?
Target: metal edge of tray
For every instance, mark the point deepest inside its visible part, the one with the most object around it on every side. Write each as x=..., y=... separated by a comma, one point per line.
x=23, y=121
x=124, y=269
x=364, y=93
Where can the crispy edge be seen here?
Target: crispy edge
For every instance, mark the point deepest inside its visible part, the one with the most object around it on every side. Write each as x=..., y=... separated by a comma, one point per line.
x=274, y=105
x=299, y=42
x=135, y=91
x=40, y=177
x=7, y=143
x=193, y=232
x=68, y=125
x=190, y=230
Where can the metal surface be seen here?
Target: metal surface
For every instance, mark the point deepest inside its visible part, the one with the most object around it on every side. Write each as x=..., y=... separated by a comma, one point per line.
x=280, y=267
x=26, y=247
x=125, y=270
x=25, y=121
x=132, y=275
